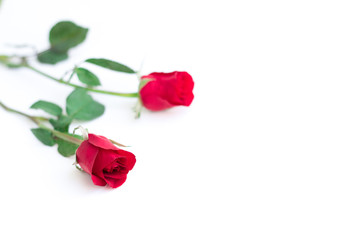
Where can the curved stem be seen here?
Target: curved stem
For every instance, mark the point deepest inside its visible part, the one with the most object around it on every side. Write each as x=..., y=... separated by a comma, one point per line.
x=37, y=121
x=32, y=118
x=131, y=95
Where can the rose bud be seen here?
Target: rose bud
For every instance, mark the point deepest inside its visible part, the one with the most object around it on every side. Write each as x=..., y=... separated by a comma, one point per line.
x=106, y=163
x=166, y=90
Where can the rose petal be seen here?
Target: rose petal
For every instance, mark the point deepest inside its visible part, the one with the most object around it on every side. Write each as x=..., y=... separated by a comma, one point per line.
x=185, y=86
x=98, y=181
x=86, y=155
x=151, y=97
x=101, y=142
x=128, y=159
x=115, y=182
x=178, y=87
x=104, y=159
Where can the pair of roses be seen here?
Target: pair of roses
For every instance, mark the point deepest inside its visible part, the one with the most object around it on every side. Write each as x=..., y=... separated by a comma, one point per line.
x=96, y=155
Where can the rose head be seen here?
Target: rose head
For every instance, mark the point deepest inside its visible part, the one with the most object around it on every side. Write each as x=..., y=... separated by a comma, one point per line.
x=166, y=90
x=105, y=163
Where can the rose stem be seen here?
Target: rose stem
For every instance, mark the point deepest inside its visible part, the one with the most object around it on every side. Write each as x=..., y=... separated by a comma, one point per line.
x=38, y=120
x=24, y=63
x=130, y=95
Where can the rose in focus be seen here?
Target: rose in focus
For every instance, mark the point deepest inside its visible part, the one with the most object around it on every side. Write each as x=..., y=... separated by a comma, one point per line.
x=165, y=90
x=106, y=163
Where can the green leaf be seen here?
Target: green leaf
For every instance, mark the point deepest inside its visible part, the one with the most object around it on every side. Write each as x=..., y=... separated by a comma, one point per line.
x=87, y=77
x=51, y=57
x=65, y=35
x=61, y=124
x=44, y=136
x=48, y=107
x=66, y=148
x=105, y=63
x=81, y=106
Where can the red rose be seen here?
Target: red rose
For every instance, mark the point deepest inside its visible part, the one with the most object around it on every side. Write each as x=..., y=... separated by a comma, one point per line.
x=105, y=163
x=165, y=90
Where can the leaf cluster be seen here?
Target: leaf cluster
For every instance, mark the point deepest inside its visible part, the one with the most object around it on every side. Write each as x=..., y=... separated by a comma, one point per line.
x=79, y=106
x=63, y=36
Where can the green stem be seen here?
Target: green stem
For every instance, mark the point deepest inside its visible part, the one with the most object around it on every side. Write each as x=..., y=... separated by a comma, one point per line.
x=37, y=120
x=32, y=118
x=130, y=95
x=61, y=135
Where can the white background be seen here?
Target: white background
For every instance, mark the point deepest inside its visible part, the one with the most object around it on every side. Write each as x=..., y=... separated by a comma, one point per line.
x=269, y=148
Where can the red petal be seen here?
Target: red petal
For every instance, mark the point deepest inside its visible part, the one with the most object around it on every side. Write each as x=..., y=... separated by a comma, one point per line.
x=151, y=97
x=128, y=159
x=86, y=155
x=98, y=181
x=101, y=142
x=115, y=182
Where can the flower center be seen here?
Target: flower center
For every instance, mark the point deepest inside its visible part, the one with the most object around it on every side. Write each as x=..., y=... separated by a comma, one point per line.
x=115, y=167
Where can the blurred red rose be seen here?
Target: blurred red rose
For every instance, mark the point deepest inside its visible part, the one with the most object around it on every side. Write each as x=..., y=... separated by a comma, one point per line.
x=106, y=163
x=166, y=90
